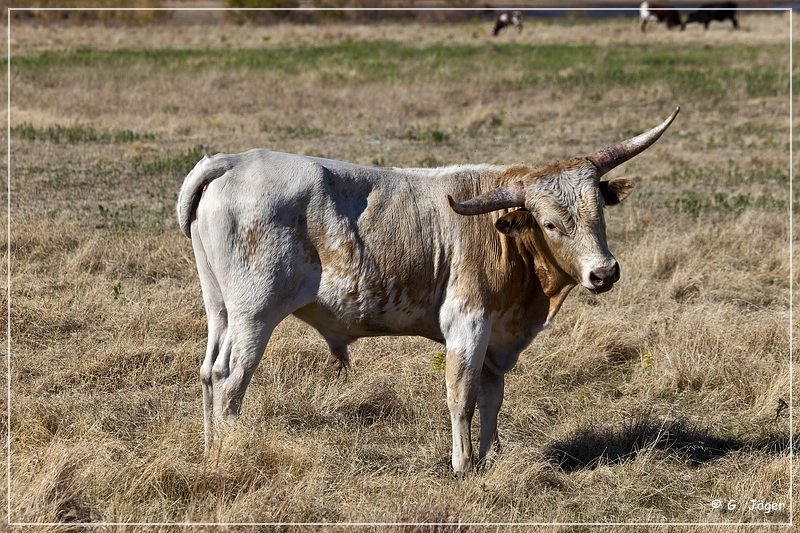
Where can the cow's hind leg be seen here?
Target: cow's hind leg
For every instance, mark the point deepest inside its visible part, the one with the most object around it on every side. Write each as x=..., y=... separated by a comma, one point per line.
x=216, y=337
x=255, y=307
x=246, y=338
x=255, y=292
x=241, y=351
x=217, y=317
x=340, y=356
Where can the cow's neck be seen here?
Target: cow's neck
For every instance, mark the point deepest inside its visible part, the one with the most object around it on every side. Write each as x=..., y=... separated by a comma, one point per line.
x=533, y=253
x=554, y=282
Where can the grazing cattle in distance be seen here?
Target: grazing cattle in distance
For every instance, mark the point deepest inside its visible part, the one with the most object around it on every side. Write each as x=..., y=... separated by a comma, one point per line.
x=659, y=13
x=507, y=18
x=720, y=11
x=357, y=251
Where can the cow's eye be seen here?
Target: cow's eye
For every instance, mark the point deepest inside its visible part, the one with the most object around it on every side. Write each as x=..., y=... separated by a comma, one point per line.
x=549, y=226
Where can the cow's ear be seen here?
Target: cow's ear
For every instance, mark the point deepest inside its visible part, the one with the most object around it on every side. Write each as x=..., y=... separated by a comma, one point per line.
x=616, y=190
x=516, y=223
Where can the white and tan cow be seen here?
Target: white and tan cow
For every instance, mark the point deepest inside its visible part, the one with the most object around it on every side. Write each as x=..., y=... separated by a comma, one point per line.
x=358, y=251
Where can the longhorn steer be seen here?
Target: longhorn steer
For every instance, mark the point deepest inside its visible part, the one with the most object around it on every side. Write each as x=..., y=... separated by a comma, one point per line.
x=359, y=251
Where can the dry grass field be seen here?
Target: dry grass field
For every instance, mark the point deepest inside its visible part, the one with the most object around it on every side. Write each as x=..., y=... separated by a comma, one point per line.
x=644, y=404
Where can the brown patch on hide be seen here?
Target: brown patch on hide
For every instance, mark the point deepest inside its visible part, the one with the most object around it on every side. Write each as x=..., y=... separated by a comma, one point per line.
x=558, y=168
x=497, y=272
x=401, y=261
x=249, y=238
x=378, y=258
x=528, y=174
x=251, y=241
x=567, y=165
x=515, y=173
x=340, y=261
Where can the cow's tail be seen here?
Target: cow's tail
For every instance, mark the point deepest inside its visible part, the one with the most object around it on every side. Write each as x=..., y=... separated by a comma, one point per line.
x=204, y=172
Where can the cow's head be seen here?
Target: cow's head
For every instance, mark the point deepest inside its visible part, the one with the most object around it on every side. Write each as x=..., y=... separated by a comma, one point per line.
x=561, y=210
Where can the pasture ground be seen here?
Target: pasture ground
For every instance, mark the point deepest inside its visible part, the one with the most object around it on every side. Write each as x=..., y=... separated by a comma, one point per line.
x=641, y=405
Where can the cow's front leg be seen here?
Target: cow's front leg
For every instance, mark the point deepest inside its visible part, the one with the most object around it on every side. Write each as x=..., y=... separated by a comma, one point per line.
x=462, y=378
x=466, y=335
x=490, y=398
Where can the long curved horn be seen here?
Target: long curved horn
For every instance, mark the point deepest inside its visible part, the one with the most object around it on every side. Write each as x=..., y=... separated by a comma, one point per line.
x=617, y=154
x=511, y=195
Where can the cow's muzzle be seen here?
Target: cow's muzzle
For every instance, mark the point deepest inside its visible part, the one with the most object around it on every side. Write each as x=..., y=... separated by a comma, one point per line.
x=603, y=279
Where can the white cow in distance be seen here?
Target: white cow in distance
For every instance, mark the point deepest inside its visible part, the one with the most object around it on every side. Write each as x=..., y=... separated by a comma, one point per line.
x=358, y=251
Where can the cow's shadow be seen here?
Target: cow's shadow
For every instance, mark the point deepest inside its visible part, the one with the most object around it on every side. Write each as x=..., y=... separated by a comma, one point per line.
x=593, y=444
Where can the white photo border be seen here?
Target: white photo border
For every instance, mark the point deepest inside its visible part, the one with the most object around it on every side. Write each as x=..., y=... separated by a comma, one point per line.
x=10, y=523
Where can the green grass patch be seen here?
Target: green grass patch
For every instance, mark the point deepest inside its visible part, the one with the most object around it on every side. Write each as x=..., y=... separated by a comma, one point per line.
x=434, y=135
x=704, y=195
x=167, y=165
x=132, y=216
x=732, y=175
x=59, y=179
x=685, y=69
x=696, y=204
x=292, y=130
x=59, y=134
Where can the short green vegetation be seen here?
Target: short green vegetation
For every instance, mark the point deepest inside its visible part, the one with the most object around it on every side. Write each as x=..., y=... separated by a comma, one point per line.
x=683, y=69
x=76, y=134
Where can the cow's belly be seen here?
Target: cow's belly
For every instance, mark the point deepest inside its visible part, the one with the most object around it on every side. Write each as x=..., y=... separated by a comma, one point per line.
x=371, y=309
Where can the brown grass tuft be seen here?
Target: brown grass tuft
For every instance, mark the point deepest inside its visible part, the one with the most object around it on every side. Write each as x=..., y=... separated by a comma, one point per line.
x=57, y=496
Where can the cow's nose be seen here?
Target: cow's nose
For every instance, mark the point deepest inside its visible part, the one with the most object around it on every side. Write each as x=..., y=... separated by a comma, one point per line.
x=604, y=278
